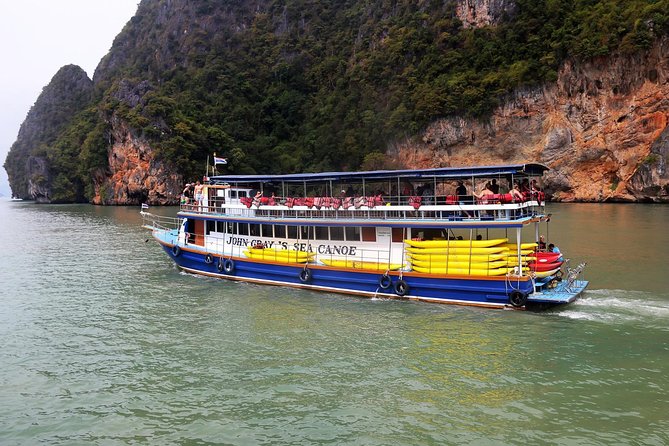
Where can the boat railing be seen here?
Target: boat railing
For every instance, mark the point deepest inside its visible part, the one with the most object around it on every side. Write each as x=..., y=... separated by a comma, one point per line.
x=160, y=222
x=278, y=207
x=573, y=275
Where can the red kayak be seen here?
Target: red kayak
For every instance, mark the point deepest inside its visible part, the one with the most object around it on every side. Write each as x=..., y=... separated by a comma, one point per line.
x=543, y=266
x=546, y=257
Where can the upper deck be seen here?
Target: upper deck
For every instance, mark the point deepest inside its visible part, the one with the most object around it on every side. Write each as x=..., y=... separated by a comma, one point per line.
x=427, y=196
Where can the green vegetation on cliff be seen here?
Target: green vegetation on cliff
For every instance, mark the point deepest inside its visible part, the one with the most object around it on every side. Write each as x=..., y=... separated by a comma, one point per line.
x=282, y=86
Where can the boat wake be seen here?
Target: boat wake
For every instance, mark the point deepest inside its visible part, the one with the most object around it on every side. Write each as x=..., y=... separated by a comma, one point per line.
x=618, y=306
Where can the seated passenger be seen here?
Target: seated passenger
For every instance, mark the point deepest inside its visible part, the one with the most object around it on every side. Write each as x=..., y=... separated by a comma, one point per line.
x=516, y=194
x=484, y=192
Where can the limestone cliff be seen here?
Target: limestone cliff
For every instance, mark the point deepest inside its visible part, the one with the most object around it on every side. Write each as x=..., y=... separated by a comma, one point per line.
x=28, y=164
x=601, y=128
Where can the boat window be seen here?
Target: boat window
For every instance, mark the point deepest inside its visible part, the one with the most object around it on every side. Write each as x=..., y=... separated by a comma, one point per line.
x=306, y=232
x=368, y=234
x=280, y=231
x=211, y=226
x=398, y=235
x=233, y=194
x=241, y=194
x=243, y=228
x=267, y=231
x=255, y=230
x=352, y=233
x=292, y=232
x=322, y=233
x=336, y=233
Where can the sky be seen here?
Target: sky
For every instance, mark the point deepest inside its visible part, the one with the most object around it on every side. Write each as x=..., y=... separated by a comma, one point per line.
x=37, y=38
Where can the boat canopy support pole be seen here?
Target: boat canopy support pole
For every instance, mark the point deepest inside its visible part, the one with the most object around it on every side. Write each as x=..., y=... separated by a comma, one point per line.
x=520, y=260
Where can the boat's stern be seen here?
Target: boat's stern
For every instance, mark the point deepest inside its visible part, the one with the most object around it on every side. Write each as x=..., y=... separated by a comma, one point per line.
x=556, y=290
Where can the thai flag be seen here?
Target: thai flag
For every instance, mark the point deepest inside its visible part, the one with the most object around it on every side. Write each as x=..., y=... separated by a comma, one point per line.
x=218, y=160
x=145, y=206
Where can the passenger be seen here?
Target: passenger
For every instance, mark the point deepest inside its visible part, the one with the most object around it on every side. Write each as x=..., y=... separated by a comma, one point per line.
x=516, y=194
x=494, y=187
x=427, y=194
x=461, y=191
x=553, y=248
x=256, y=198
x=187, y=193
x=484, y=192
x=199, y=196
x=407, y=190
x=542, y=243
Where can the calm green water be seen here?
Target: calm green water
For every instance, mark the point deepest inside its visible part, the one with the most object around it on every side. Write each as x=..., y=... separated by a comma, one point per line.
x=105, y=342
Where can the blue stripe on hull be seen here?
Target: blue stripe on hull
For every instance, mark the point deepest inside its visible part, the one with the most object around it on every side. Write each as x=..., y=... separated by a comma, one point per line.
x=466, y=291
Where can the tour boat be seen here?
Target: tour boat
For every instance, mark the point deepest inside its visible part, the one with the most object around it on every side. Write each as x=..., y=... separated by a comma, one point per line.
x=382, y=234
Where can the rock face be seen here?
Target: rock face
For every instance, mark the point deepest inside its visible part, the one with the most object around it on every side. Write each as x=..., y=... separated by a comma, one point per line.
x=135, y=176
x=602, y=129
x=477, y=13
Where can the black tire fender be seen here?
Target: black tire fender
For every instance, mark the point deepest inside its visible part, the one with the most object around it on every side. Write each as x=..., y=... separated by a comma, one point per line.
x=517, y=298
x=176, y=251
x=401, y=288
x=208, y=259
x=228, y=266
x=385, y=282
x=305, y=275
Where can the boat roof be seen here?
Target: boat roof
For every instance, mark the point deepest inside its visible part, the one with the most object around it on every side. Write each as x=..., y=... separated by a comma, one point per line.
x=530, y=169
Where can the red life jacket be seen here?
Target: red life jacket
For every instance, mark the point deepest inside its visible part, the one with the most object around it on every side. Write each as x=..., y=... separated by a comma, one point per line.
x=415, y=201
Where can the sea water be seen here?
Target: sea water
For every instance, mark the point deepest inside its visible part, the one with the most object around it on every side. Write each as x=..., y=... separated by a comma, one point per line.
x=103, y=341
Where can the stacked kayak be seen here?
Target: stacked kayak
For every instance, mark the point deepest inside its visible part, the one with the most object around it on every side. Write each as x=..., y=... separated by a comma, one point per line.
x=276, y=255
x=493, y=257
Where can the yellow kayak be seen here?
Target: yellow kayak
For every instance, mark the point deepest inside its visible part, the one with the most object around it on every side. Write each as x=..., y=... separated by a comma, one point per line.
x=458, y=257
x=514, y=259
x=462, y=271
x=460, y=265
x=274, y=255
x=359, y=264
x=542, y=274
x=512, y=246
x=451, y=250
x=455, y=243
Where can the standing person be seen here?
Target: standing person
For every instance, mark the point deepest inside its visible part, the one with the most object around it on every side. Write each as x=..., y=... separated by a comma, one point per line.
x=494, y=187
x=187, y=194
x=542, y=243
x=461, y=191
x=199, y=196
